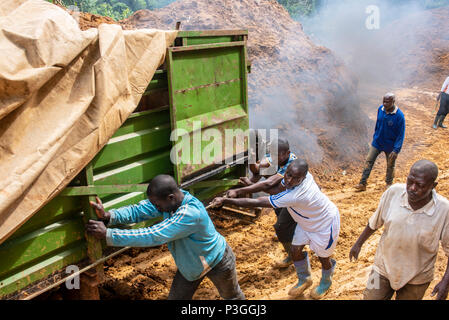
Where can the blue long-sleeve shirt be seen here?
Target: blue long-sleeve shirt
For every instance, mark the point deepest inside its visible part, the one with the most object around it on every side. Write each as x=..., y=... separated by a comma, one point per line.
x=190, y=235
x=390, y=130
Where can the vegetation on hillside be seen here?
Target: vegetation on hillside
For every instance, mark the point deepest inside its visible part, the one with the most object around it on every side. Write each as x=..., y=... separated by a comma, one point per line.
x=121, y=9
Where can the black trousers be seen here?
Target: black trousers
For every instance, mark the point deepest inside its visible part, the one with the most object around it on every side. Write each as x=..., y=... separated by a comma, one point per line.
x=285, y=225
x=444, y=105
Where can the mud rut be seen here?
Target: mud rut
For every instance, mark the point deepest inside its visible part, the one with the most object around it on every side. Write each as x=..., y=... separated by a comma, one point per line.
x=147, y=273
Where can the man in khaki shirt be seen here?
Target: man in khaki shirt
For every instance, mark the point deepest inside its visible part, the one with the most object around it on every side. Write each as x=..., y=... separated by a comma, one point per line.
x=416, y=219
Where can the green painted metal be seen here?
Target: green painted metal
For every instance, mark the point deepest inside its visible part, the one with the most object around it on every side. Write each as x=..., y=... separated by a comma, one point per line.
x=209, y=95
x=207, y=70
x=41, y=269
x=39, y=243
x=58, y=209
x=129, y=188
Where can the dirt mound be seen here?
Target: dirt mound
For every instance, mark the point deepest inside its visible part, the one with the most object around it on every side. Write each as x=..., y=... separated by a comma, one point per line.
x=295, y=86
x=88, y=20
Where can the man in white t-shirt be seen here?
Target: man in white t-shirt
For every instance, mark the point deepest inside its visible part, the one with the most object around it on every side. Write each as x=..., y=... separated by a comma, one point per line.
x=285, y=225
x=318, y=224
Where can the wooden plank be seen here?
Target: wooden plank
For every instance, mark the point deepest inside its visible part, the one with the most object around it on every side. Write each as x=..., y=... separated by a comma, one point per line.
x=207, y=46
x=138, y=171
x=94, y=247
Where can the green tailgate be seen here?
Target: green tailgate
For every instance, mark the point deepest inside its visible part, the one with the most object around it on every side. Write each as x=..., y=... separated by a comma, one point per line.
x=207, y=90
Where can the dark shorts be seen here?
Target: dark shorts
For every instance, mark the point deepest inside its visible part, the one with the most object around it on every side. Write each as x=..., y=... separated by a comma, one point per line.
x=285, y=225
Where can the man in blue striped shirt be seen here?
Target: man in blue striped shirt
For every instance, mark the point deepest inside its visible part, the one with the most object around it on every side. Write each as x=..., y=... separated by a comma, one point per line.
x=197, y=248
x=388, y=138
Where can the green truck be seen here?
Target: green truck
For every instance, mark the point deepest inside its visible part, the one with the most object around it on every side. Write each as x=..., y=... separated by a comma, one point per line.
x=203, y=80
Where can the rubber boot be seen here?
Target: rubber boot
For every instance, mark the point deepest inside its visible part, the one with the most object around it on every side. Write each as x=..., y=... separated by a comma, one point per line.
x=436, y=121
x=440, y=123
x=326, y=281
x=288, y=260
x=304, y=277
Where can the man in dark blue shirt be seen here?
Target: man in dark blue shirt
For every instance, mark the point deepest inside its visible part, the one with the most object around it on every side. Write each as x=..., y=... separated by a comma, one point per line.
x=388, y=138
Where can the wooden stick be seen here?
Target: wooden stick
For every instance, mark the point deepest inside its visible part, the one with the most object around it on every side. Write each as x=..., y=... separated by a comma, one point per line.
x=239, y=211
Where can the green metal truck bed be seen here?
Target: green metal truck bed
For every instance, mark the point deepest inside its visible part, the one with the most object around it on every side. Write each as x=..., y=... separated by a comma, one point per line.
x=203, y=79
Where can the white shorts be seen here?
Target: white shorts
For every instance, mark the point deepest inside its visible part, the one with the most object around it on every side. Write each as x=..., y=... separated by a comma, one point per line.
x=322, y=243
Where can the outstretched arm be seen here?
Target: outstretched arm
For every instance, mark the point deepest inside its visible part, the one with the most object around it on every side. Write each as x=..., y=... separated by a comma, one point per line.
x=179, y=225
x=265, y=185
x=243, y=202
x=144, y=210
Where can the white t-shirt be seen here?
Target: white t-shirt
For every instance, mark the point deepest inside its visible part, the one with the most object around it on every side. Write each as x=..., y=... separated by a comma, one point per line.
x=445, y=87
x=309, y=207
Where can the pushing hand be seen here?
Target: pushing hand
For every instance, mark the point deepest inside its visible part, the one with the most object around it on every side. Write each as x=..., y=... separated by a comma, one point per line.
x=245, y=181
x=217, y=202
x=232, y=194
x=99, y=210
x=441, y=290
x=96, y=229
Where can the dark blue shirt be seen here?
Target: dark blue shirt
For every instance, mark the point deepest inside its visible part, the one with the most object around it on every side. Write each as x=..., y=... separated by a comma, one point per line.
x=390, y=130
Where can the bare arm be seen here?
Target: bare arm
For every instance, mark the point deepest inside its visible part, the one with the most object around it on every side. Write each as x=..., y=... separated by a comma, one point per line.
x=355, y=250
x=243, y=202
x=265, y=185
x=276, y=189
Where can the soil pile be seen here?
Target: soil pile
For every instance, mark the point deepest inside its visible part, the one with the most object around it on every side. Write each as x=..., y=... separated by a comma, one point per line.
x=88, y=20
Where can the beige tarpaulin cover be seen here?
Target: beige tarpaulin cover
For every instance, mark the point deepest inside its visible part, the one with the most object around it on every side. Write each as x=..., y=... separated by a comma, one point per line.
x=63, y=93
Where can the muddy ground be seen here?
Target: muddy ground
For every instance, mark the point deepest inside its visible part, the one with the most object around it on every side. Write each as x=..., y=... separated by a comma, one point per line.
x=147, y=273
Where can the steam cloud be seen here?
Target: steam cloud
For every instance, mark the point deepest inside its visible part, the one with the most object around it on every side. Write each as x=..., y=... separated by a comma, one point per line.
x=375, y=56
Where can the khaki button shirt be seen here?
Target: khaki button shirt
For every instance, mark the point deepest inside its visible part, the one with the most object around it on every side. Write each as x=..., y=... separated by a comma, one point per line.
x=409, y=245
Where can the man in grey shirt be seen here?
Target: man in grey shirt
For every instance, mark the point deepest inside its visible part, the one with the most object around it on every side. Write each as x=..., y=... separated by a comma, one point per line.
x=416, y=220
